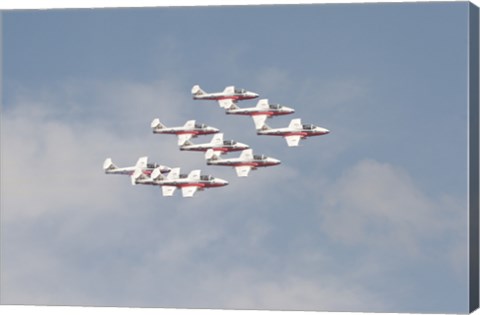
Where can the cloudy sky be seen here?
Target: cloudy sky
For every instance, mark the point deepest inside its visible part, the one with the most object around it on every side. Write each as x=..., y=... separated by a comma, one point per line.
x=371, y=217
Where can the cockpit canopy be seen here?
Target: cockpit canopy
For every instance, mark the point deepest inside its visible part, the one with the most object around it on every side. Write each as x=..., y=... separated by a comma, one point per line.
x=275, y=106
x=200, y=126
x=240, y=91
x=152, y=165
x=259, y=157
x=308, y=127
x=206, y=177
x=229, y=142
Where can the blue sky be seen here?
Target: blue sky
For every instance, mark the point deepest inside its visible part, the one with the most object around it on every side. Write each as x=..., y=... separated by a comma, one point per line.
x=371, y=217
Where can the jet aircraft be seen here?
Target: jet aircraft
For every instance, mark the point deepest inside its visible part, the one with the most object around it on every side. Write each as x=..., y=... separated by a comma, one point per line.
x=217, y=144
x=225, y=99
x=243, y=164
x=185, y=132
x=261, y=112
x=189, y=184
x=294, y=132
x=141, y=166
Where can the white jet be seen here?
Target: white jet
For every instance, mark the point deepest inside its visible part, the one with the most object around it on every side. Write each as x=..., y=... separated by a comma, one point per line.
x=142, y=166
x=294, y=132
x=229, y=96
x=243, y=164
x=190, y=130
x=189, y=184
x=217, y=144
x=261, y=112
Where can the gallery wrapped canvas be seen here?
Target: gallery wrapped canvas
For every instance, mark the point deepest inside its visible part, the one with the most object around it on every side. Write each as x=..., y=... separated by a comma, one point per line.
x=301, y=157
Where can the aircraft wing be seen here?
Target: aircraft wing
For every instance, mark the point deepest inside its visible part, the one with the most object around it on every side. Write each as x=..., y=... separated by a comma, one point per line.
x=259, y=121
x=189, y=191
x=184, y=137
x=242, y=171
x=226, y=103
x=168, y=190
x=293, y=141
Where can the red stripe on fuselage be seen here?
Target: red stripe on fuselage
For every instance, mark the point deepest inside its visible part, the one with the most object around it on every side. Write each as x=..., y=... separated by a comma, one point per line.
x=191, y=185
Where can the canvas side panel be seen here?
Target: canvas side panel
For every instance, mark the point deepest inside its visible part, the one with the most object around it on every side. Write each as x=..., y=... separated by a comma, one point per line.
x=473, y=156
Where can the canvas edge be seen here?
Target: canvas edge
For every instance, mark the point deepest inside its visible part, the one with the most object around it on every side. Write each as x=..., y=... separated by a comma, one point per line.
x=473, y=183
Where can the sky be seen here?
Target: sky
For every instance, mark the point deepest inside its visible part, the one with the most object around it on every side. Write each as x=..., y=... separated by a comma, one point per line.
x=371, y=217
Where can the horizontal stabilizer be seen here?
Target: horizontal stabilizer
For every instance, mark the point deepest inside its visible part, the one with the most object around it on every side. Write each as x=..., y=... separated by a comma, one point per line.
x=108, y=165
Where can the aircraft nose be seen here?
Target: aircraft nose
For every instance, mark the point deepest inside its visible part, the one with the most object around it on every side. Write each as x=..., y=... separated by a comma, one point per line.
x=276, y=161
x=325, y=130
x=290, y=110
x=222, y=182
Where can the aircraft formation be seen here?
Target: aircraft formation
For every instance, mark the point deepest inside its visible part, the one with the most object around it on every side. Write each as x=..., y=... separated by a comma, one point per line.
x=170, y=179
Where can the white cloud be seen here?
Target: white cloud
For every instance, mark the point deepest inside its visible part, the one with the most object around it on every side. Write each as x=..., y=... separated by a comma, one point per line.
x=95, y=240
x=378, y=207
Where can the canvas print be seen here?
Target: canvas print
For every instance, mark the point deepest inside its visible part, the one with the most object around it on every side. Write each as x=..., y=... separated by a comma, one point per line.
x=272, y=157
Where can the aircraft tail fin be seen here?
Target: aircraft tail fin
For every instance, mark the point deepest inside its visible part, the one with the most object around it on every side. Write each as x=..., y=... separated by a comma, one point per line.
x=108, y=165
x=230, y=105
x=137, y=175
x=296, y=123
x=194, y=175
x=174, y=173
x=212, y=155
x=182, y=138
x=217, y=139
x=263, y=104
x=186, y=143
x=156, y=124
x=247, y=154
x=142, y=162
x=190, y=124
x=157, y=174
x=197, y=90
x=229, y=89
